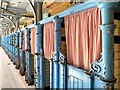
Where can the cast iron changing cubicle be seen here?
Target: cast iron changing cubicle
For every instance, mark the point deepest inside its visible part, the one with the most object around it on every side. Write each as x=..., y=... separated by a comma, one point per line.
x=63, y=75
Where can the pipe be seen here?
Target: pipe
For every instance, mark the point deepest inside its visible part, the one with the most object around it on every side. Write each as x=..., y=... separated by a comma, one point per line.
x=108, y=28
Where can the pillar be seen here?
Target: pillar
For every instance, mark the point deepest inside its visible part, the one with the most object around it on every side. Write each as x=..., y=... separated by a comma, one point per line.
x=38, y=10
x=39, y=58
x=28, y=75
x=108, y=27
x=17, y=25
x=57, y=43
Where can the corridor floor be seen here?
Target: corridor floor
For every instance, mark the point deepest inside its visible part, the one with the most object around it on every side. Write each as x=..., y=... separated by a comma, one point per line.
x=9, y=76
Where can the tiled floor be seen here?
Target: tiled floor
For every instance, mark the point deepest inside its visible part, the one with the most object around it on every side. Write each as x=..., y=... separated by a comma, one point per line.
x=9, y=76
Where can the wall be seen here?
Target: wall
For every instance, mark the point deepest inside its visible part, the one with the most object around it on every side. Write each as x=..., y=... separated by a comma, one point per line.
x=117, y=54
x=56, y=7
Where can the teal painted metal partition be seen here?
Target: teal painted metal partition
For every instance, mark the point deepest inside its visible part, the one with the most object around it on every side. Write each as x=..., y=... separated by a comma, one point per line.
x=66, y=76
x=62, y=75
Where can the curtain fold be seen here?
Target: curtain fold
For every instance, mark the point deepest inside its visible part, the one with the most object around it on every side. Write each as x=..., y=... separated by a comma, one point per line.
x=83, y=38
x=48, y=40
x=33, y=39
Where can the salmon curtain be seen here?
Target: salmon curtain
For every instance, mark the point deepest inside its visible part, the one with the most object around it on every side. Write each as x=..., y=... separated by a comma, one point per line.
x=23, y=46
x=83, y=38
x=33, y=39
x=48, y=40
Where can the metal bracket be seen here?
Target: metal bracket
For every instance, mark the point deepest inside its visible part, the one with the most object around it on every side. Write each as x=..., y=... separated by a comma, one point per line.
x=62, y=58
x=53, y=57
x=96, y=67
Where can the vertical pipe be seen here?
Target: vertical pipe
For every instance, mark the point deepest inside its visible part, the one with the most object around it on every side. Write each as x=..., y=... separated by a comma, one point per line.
x=57, y=32
x=108, y=28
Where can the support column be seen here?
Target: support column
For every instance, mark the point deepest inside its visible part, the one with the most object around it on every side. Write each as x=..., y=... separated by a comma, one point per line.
x=28, y=74
x=17, y=24
x=108, y=27
x=22, y=55
x=17, y=51
x=39, y=58
x=38, y=10
x=14, y=50
x=57, y=43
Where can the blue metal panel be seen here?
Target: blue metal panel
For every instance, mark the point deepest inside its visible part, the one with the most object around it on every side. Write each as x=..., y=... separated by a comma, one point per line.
x=37, y=71
x=42, y=73
x=51, y=73
x=77, y=78
x=61, y=74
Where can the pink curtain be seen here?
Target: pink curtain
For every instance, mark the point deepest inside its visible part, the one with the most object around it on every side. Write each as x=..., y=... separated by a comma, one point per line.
x=83, y=38
x=23, y=47
x=33, y=39
x=48, y=40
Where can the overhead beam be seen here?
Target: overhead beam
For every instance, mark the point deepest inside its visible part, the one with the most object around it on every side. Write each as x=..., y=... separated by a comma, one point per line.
x=17, y=10
x=7, y=11
x=30, y=16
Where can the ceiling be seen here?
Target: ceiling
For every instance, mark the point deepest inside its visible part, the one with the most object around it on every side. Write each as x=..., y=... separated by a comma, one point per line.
x=10, y=10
